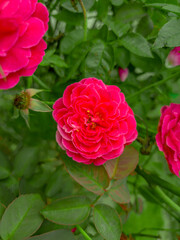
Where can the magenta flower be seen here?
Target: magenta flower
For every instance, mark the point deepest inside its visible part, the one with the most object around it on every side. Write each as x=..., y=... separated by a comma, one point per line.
x=173, y=59
x=123, y=73
x=94, y=121
x=168, y=137
x=23, y=23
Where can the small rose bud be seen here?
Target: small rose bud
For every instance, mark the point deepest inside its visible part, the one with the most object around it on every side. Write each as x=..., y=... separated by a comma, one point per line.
x=123, y=73
x=173, y=59
x=73, y=230
x=22, y=101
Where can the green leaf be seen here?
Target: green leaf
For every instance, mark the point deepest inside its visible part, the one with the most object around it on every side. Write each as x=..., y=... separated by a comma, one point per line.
x=107, y=222
x=117, y=2
x=136, y=44
x=71, y=18
x=39, y=106
x=53, y=60
x=129, y=12
x=119, y=191
x=164, y=6
x=4, y=173
x=68, y=211
x=169, y=34
x=123, y=165
x=102, y=8
x=122, y=57
x=94, y=178
x=2, y=209
x=25, y=161
x=71, y=40
x=6, y=194
x=145, y=26
x=99, y=61
x=61, y=234
x=118, y=27
x=21, y=219
x=76, y=58
x=87, y=4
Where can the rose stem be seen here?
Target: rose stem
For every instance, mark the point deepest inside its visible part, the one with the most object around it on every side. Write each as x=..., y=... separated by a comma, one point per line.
x=85, y=19
x=83, y=233
x=152, y=85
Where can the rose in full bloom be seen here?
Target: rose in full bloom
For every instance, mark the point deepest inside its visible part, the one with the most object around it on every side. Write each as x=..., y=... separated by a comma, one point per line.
x=94, y=121
x=168, y=137
x=23, y=23
x=123, y=73
x=173, y=59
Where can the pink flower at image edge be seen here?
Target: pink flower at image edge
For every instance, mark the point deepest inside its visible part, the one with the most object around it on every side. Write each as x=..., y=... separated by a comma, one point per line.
x=123, y=73
x=168, y=137
x=22, y=27
x=94, y=121
x=173, y=59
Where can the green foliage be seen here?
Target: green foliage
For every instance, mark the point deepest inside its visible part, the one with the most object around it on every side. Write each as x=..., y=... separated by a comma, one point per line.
x=105, y=200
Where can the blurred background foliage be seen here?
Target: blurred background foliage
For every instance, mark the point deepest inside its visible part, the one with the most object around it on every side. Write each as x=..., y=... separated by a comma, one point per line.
x=120, y=33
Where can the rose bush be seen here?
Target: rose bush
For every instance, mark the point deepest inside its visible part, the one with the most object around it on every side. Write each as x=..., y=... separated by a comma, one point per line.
x=168, y=137
x=22, y=26
x=94, y=121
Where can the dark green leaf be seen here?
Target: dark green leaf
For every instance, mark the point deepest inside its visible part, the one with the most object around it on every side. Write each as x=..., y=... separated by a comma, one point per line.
x=2, y=209
x=25, y=161
x=99, y=61
x=71, y=40
x=68, y=211
x=136, y=44
x=107, y=222
x=119, y=191
x=21, y=219
x=61, y=234
x=94, y=178
x=122, y=57
x=87, y=4
x=4, y=173
x=145, y=26
x=69, y=17
x=164, y=6
x=169, y=34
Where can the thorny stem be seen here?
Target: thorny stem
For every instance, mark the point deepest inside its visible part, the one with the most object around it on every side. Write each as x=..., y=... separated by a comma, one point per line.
x=153, y=85
x=83, y=233
x=85, y=19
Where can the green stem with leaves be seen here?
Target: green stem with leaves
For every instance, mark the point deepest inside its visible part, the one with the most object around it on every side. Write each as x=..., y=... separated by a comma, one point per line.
x=85, y=19
x=40, y=83
x=153, y=85
x=83, y=233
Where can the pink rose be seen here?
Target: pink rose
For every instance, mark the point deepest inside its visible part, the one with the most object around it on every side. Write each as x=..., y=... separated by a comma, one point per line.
x=173, y=59
x=123, y=73
x=94, y=121
x=168, y=137
x=23, y=23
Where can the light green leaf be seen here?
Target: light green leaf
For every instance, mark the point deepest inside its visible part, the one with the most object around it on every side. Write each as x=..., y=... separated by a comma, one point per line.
x=102, y=8
x=51, y=59
x=164, y=6
x=117, y=2
x=39, y=106
x=61, y=234
x=94, y=178
x=99, y=61
x=118, y=27
x=68, y=211
x=169, y=34
x=21, y=219
x=107, y=222
x=136, y=44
